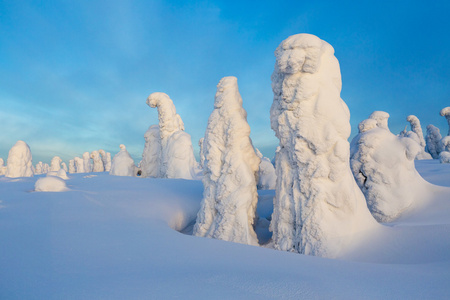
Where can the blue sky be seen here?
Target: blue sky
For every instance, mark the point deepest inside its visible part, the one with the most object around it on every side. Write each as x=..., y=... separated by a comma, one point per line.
x=74, y=75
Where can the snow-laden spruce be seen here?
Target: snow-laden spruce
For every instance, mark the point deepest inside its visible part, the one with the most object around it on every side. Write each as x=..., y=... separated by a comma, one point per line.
x=122, y=163
x=19, y=163
x=106, y=159
x=383, y=166
x=318, y=206
x=176, y=155
x=55, y=164
x=416, y=134
x=444, y=156
x=97, y=162
x=87, y=163
x=445, y=112
x=230, y=168
x=2, y=167
x=267, y=178
x=433, y=139
x=151, y=156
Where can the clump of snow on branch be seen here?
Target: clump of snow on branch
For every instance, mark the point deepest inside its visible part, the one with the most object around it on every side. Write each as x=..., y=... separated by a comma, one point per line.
x=122, y=163
x=445, y=112
x=228, y=207
x=433, y=139
x=50, y=184
x=19, y=163
x=383, y=166
x=267, y=178
x=176, y=155
x=318, y=207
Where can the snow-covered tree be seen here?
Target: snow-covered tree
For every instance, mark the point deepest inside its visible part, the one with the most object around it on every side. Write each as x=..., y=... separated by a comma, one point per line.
x=318, y=206
x=79, y=165
x=55, y=164
x=72, y=168
x=45, y=168
x=150, y=163
x=19, y=163
x=417, y=135
x=98, y=163
x=2, y=167
x=433, y=138
x=64, y=167
x=176, y=154
x=383, y=166
x=381, y=117
x=228, y=207
x=445, y=112
x=122, y=163
x=444, y=156
x=267, y=178
x=106, y=159
x=87, y=163
x=39, y=168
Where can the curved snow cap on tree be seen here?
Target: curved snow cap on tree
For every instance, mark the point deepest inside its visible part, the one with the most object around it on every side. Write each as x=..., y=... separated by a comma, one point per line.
x=383, y=166
x=19, y=163
x=381, y=117
x=445, y=112
x=169, y=120
x=318, y=207
x=230, y=165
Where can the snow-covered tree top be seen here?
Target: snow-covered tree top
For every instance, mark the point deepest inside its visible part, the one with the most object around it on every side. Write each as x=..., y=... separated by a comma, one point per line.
x=381, y=117
x=169, y=120
x=122, y=147
x=445, y=112
x=367, y=125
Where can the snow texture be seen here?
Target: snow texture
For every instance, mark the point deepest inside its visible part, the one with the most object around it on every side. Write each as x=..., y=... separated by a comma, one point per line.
x=445, y=112
x=444, y=156
x=98, y=163
x=19, y=163
x=201, y=153
x=87, y=163
x=2, y=167
x=417, y=135
x=230, y=168
x=318, y=207
x=50, y=184
x=176, y=159
x=106, y=159
x=55, y=164
x=151, y=159
x=383, y=166
x=381, y=117
x=267, y=178
x=64, y=167
x=433, y=138
x=122, y=163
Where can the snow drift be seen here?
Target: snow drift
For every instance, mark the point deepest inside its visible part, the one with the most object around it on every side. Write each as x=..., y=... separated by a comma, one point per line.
x=50, y=184
x=318, y=207
x=228, y=207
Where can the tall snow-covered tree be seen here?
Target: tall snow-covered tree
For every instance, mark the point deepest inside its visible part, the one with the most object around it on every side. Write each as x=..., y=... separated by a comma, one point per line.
x=19, y=163
x=318, y=206
x=229, y=171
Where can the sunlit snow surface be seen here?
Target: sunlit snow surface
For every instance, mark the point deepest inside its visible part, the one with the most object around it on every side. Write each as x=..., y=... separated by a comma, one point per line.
x=111, y=237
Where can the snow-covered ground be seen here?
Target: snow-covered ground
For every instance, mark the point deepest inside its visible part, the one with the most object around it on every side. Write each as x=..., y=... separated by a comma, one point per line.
x=111, y=237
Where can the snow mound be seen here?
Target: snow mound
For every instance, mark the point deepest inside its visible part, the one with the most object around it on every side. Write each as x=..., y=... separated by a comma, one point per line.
x=50, y=184
x=228, y=207
x=383, y=166
x=318, y=208
x=19, y=163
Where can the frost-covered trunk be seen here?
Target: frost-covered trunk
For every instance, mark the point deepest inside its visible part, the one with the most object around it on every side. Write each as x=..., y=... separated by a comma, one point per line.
x=176, y=155
x=318, y=207
x=19, y=163
x=229, y=172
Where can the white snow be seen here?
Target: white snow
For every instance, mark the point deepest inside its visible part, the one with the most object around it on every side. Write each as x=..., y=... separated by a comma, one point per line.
x=267, y=177
x=55, y=164
x=228, y=207
x=123, y=164
x=50, y=184
x=383, y=166
x=318, y=208
x=445, y=112
x=72, y=168
x=176, y=155
x=98, y=162
x=114, y=237
x=19, y=163
x=444, y=156
x=87, y=163
x=2, y=167
x=151, y=160
x=79, y=165
x=417, y=135
x=106, y=159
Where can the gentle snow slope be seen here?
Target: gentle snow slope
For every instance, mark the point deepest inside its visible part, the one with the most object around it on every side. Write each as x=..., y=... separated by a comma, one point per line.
x=111, y=237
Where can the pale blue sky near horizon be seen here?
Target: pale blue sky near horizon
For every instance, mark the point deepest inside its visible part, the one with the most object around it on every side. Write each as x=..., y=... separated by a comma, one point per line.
x=75, y=75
